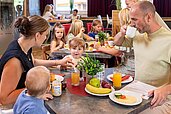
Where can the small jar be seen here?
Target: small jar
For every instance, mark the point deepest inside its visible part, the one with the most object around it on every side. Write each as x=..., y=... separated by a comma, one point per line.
x=56, y=88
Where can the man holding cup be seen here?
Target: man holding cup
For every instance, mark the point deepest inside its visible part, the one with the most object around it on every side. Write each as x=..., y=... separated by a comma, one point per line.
x=152, y=49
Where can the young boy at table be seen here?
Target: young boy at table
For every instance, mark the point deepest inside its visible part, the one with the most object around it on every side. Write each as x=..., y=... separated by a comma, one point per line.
x=31, y=100
x=96, y=27
x=77, y=47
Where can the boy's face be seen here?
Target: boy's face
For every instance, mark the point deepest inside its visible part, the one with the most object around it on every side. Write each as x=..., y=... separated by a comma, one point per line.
x=77, y=52
x=98, y=28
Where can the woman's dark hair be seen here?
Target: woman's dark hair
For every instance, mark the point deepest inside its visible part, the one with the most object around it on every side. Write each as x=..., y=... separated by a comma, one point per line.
x=29, y=26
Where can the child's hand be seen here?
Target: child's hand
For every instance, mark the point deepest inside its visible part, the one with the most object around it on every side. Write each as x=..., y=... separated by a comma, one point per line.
x=47, y=96
x=82, y=30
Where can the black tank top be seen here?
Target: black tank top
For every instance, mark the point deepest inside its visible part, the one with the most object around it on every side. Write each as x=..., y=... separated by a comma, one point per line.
x=14, y=50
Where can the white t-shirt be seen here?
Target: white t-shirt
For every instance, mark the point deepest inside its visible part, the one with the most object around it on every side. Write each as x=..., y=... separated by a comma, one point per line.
x=47, y=15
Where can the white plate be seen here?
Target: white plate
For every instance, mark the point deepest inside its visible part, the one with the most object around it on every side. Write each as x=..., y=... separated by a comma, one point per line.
x=124, y=92
x=58, y=77
x=95, y=93
x=91, y=50
x=130, y=79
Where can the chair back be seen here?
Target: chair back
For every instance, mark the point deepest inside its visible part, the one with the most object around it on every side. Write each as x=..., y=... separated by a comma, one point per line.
x=100, y=18
x=88, y=25
x=45, y=51
x=67, y=27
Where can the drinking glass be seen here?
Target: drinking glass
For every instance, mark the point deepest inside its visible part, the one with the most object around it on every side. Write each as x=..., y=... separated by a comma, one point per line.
x=101, y=75
x=75, y=78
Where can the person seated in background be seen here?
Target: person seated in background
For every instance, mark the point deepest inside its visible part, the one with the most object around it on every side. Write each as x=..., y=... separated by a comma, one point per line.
x=95, y=28
x=18, y=59
x=77, y=47
x=58, y=37
x=74, y=15
x=47, y=13
x=151, y=66
x=31, y=100
x=77, y=30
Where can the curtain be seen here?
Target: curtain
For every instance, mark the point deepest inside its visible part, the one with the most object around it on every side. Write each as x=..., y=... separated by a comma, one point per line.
x=43, y=3
x=100, y=7
x=162, y=7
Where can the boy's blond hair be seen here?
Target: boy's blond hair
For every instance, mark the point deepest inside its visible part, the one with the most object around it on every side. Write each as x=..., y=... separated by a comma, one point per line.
x=76, y=42
x=37, y=80
x=76, y=27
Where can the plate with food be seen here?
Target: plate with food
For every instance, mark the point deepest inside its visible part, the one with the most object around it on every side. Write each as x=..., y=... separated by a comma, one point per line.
x=90, y=50
x=125, y=97
x=125, y=78
x=94, y=87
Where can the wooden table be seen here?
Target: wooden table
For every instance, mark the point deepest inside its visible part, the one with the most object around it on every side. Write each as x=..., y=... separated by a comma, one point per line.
x=59, y=20
x=95, y=54
x=69, y=103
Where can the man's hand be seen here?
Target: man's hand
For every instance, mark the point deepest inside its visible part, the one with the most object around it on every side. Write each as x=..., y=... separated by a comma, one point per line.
x=160, y=95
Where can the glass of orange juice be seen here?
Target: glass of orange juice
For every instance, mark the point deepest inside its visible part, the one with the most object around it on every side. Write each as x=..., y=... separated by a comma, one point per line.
x=117, y=78
x=75, y=78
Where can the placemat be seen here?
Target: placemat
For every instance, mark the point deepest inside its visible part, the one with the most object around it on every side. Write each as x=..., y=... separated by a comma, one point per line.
x=77, y=90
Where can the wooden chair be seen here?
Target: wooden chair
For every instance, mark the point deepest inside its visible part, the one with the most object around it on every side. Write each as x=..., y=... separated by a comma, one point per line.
x=45, y=51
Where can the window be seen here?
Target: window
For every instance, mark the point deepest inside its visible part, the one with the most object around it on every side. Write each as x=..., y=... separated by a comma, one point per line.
x=63, y=7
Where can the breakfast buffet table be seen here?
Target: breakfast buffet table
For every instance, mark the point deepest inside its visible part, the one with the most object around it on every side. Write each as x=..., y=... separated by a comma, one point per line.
x=70, y=103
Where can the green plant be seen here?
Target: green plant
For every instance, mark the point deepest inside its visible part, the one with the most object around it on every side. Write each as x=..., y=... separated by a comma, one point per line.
x=102, y=36
x=90, y=65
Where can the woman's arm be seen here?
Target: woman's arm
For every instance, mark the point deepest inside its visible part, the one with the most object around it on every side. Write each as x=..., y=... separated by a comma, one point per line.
x=11, y=75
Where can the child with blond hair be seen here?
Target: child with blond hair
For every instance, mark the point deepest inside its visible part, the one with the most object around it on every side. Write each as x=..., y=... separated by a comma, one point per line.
x=31, y=100
x=77, y=30
x=77, y=47
x=95, y=28
x=58, y=37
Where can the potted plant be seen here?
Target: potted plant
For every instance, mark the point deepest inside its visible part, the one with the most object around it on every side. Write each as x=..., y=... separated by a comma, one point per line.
x=102, y=37
x=90, y=65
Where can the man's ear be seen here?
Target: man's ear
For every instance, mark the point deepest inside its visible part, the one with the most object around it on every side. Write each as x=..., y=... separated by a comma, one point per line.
x=149, y=17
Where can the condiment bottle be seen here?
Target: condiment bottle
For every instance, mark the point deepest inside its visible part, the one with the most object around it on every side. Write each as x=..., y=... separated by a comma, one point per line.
x=56, y=88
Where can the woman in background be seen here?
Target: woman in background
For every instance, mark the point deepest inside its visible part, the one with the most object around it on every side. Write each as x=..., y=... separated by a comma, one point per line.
x=47, y=13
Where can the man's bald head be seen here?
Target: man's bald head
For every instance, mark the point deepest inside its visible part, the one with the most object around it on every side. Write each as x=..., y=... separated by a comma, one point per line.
x=144, y=7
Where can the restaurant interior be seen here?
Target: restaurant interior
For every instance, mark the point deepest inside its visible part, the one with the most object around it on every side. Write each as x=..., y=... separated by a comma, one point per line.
x=85, y=96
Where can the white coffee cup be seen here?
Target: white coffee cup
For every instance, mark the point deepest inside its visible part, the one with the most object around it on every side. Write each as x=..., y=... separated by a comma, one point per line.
x=131, y=31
